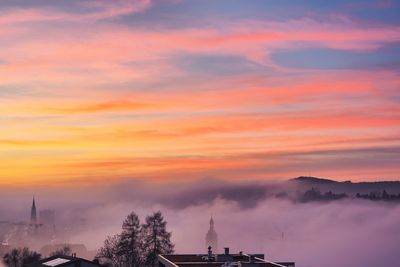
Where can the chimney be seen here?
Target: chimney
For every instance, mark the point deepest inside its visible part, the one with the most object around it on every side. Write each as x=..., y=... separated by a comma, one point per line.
x=252, y=258
x=226, y=251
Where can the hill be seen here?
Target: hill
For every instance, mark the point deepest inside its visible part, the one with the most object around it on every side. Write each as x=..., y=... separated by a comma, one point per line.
x=309, y=189
x=323, y=184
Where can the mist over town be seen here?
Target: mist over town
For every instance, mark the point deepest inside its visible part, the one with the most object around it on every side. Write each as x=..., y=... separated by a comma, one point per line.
x=248, y=217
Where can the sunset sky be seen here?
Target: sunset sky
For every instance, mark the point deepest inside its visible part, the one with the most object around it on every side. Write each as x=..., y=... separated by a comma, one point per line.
x=160, y=90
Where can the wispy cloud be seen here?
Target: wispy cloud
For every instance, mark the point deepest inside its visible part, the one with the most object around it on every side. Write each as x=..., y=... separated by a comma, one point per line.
x=111, y=106
x=89, y=10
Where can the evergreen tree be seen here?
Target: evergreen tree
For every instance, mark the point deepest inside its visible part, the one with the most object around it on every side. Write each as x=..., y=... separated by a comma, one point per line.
x=137, y=245
x=156, y=239
x=130, y=243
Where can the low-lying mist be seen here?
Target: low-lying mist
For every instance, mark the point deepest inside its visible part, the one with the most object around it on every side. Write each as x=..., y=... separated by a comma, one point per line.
x=247, y=218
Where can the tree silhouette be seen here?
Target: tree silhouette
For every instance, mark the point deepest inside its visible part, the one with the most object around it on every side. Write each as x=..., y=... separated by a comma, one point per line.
x=19, y=257
x=110, y=254
x=29, y=256
x=13, y=258
x=130, y=241
x=137, y=245
x=156, y=239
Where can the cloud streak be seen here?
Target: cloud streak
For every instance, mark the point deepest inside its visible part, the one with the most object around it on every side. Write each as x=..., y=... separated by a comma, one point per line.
x=94, y=11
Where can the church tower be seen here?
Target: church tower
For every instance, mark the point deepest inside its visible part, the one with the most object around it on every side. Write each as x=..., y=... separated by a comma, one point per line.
x=33, y=213
x=212, y=237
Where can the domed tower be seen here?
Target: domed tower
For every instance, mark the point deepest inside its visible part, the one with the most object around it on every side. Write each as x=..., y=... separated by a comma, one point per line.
x=212, y=237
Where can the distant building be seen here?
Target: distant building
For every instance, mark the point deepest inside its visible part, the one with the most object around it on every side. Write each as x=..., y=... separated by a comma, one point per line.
x=4, y=248
x=224, y=260
x=212, y=237
x=33, y=213
x=47, y=218
x=48, y=225
x=77, y=249
x=5, y=229
x=34, y=232
x=64, y=261
x=33, y=225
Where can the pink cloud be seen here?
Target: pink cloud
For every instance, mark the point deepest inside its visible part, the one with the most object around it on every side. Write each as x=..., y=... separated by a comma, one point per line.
x=99, y=10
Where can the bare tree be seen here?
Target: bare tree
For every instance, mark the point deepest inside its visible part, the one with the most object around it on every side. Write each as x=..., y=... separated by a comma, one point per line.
x=110, y=254
x=13, y=258
x=19, y=257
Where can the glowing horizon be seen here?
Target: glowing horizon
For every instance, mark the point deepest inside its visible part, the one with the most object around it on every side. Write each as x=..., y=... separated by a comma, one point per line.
x=179, y=90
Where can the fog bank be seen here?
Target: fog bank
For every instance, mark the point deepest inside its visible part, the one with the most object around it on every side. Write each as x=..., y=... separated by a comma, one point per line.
x=340, y=233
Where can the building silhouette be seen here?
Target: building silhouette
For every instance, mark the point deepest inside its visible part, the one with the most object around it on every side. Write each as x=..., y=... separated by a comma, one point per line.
x=47, y=218
x=47, y=224
x=212, y=237
x=64, y=261
x=33, y=212
x=226, y=259
x=33, y=225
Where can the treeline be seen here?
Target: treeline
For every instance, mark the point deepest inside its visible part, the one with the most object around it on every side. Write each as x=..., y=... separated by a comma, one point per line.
x=380, y=196
x=314, y=194
x=138, y=244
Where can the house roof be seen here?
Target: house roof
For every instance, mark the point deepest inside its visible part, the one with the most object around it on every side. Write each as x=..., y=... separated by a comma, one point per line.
x=193, y=260
x=60, y=261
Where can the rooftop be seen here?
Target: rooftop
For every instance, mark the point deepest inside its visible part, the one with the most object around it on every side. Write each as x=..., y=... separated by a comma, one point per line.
x=62, y=261
x=203, y=260
x=56, y=262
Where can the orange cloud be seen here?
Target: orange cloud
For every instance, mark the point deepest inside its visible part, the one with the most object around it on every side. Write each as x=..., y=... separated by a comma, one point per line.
x=110, y=106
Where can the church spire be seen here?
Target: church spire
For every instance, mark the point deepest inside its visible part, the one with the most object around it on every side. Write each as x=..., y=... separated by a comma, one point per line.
x=33, y=212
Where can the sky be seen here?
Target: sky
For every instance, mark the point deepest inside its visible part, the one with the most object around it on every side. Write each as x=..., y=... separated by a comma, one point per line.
x=98, y=91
